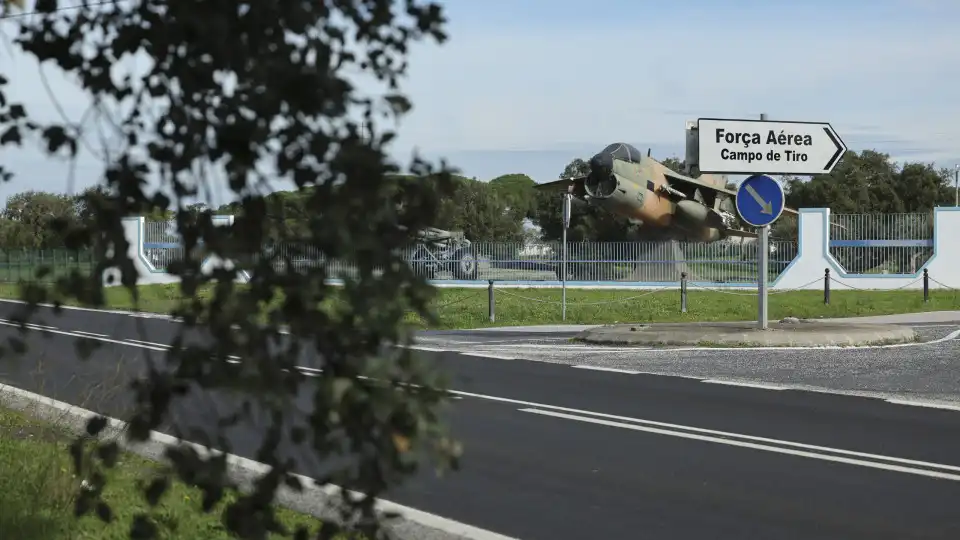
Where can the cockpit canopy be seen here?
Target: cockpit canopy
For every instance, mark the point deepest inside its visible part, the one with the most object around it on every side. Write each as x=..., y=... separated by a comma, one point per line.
x=623, y=152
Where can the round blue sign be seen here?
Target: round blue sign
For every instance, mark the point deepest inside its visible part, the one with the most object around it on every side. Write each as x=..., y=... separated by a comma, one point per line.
x=760, y=200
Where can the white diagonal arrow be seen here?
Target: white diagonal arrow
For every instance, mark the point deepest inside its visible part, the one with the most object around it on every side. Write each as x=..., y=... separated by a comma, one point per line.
x=765, y=206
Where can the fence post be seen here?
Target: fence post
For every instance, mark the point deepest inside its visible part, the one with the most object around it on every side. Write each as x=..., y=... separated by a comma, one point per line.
x=491, y=302
x=926, y=286
x=826, y=286
x=683, y=292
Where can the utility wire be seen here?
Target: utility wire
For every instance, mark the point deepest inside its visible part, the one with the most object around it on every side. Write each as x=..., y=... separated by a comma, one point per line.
x=6, y=16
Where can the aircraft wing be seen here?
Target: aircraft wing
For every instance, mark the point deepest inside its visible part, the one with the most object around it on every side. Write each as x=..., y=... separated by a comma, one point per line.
x=674, y=177
x=573, y=186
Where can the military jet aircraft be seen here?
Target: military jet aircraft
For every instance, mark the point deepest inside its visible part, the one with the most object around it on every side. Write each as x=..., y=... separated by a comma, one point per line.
x=627, y=183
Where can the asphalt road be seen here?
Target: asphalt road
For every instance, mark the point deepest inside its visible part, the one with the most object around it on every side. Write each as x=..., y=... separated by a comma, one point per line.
x=557, y=452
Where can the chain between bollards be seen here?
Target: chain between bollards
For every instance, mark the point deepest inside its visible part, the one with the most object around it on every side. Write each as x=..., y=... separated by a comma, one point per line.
x=683, y=292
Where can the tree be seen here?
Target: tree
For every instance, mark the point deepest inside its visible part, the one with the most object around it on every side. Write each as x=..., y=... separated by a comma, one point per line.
x=517, y=190
x=244, y=90
x=870, y=182
x=481, y=213
x=35, y=215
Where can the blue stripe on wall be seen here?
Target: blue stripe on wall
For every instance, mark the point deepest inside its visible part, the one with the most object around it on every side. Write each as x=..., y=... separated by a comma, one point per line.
x=160, y=245
x=881, y=243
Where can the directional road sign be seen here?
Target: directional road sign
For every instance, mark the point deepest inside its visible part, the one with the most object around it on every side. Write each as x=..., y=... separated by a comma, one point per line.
x=767, y=147
x=760, y=200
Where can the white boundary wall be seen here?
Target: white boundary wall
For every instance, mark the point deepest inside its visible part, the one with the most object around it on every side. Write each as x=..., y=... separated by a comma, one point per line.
x=148, y=274
x=805, y=271
x=813, y=257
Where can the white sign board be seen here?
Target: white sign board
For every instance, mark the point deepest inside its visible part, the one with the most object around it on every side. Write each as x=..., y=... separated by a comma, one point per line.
x=566, y=210
x=767, y=147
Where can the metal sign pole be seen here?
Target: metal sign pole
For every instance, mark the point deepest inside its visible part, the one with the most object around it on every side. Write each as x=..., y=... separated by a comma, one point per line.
x=764, y=263
x=763, y=269
x=760, y=198
x=563, y=264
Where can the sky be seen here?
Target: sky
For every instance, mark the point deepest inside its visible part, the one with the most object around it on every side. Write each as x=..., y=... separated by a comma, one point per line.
x=524, y=86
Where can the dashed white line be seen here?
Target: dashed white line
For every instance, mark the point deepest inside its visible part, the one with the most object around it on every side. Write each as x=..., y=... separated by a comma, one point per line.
x=92, y=334
x=150, y=343
x=103, y=339
x=33, y=326
x=745, y=384
x=40, y=326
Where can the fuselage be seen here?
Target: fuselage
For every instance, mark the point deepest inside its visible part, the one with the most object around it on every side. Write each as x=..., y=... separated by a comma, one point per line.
x=624, y=182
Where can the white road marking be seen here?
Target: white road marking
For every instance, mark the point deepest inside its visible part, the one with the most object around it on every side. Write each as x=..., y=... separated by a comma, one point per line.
x=571, y=347
x=427, y=349
x=103, y=339
x=149, y=343
x=498, y=342
x=746, y=384
x=928, y=404
x=41, y=326
x=610, y=369
x=92, y=334
x=711, y=432
x=485, y=355
x=315, y=372
x=777, y=449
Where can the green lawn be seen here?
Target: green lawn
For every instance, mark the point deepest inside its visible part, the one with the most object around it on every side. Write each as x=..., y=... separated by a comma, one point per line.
x=467, y=308
x=462, y=308
x=38, y=487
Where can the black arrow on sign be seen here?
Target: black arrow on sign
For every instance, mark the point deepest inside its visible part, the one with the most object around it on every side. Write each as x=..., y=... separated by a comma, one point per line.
x=836, y=154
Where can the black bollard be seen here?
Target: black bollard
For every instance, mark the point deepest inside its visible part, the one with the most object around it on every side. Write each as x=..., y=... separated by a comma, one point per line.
x=926, y=286
x=826, y=286
x=683, y=292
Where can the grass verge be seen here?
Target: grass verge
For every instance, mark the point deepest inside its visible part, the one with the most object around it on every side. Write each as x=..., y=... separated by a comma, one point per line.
x=38, y=488
x=468, y=308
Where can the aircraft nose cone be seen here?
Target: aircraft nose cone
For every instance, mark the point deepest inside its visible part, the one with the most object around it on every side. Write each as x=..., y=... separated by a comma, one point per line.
x=602, y=164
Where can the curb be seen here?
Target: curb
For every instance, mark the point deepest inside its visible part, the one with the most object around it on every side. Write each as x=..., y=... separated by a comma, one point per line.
x=314, y=500
x=693, y=335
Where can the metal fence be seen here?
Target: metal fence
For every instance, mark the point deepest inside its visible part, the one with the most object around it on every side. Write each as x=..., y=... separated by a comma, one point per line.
x=651, y=262
x=23, y=265
x=881, y=243
x=862, y=244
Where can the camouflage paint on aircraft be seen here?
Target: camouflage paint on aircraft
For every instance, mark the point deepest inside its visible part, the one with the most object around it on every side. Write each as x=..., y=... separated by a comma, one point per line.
x=626, y=183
